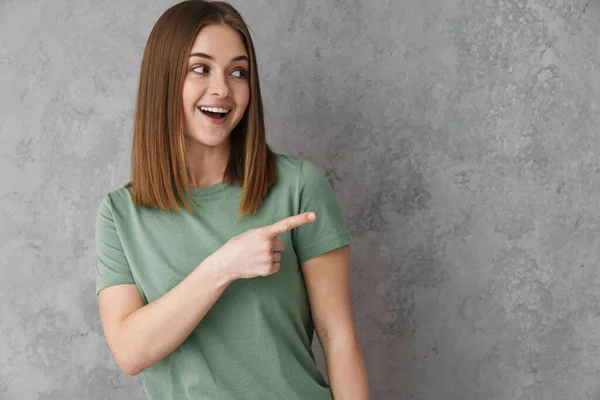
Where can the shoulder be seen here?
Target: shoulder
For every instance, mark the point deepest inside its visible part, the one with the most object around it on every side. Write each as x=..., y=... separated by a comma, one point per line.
x=118, y=199
x=287, y=163
x=301, y=169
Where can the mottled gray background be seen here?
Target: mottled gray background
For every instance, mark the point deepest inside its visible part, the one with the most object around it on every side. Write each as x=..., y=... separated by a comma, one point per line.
x=461, y=140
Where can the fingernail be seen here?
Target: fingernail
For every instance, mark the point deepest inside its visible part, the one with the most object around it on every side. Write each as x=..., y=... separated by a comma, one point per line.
x=311, y=216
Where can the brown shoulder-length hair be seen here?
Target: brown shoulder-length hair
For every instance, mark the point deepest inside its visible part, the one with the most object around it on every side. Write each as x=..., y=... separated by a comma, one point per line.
x=158, y=168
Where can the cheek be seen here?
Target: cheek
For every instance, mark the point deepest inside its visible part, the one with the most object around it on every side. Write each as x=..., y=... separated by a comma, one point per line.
x=243, y=97
x=190, y=94
x=188, y=99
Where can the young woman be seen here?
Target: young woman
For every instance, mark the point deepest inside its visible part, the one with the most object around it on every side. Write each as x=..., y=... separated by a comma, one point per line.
x=219, y=260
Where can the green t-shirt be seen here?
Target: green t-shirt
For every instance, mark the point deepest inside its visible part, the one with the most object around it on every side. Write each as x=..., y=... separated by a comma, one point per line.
x=255, y=342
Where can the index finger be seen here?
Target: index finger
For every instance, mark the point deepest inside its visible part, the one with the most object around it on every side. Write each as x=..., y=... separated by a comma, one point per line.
x=288, y=224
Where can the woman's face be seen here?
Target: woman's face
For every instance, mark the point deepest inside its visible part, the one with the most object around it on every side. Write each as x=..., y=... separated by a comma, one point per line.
x=216, y=87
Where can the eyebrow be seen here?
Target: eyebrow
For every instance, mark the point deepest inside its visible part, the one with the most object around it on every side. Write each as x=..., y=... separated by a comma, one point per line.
x=204, y=55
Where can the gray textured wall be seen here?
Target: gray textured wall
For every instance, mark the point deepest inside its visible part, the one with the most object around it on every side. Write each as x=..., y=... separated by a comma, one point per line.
x=460, y=137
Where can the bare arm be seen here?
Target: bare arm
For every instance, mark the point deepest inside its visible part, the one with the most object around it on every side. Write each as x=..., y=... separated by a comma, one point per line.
x=139, y=335
x=327, y=280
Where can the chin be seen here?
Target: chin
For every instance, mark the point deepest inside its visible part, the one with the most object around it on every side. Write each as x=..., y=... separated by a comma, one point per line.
x=207, y=140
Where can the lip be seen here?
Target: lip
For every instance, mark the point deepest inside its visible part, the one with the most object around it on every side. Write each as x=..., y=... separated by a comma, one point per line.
x=215, y=121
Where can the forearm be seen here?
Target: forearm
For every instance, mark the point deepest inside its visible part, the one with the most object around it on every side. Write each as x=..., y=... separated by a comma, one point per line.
x=346, y=368
x=152, y=332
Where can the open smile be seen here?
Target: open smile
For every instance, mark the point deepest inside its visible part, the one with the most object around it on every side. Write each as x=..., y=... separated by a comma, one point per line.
x=215, y=115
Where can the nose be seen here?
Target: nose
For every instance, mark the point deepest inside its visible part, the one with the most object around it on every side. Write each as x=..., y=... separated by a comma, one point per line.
x=218, y=86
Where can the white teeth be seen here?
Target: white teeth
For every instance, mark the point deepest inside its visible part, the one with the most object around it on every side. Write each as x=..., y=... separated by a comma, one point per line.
x=214, y=109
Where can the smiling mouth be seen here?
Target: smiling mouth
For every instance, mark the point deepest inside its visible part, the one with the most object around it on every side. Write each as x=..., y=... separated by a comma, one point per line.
x=214, y=114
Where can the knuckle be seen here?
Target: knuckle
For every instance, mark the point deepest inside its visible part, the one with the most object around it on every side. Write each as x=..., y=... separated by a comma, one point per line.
x=268, y=245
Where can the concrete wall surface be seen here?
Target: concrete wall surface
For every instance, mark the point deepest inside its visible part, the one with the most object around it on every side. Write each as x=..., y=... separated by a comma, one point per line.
x=460, y=136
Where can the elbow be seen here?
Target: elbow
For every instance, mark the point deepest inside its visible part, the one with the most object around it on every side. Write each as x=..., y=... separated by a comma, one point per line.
x=127, y=362
x=128, y=367
x=131, y=372
x=131, y=356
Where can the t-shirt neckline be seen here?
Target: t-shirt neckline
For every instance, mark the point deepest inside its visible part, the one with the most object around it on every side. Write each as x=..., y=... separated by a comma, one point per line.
x=212, y=189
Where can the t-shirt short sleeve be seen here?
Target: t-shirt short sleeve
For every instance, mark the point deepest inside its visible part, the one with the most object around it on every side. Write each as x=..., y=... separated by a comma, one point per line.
x=329, y=230
x=112, y=267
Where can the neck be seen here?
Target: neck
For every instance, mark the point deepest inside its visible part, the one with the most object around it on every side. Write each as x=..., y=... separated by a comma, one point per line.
x=206, y=165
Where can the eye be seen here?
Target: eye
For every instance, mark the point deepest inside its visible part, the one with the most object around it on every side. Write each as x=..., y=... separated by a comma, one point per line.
x=241, y=73
x=201, y=69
